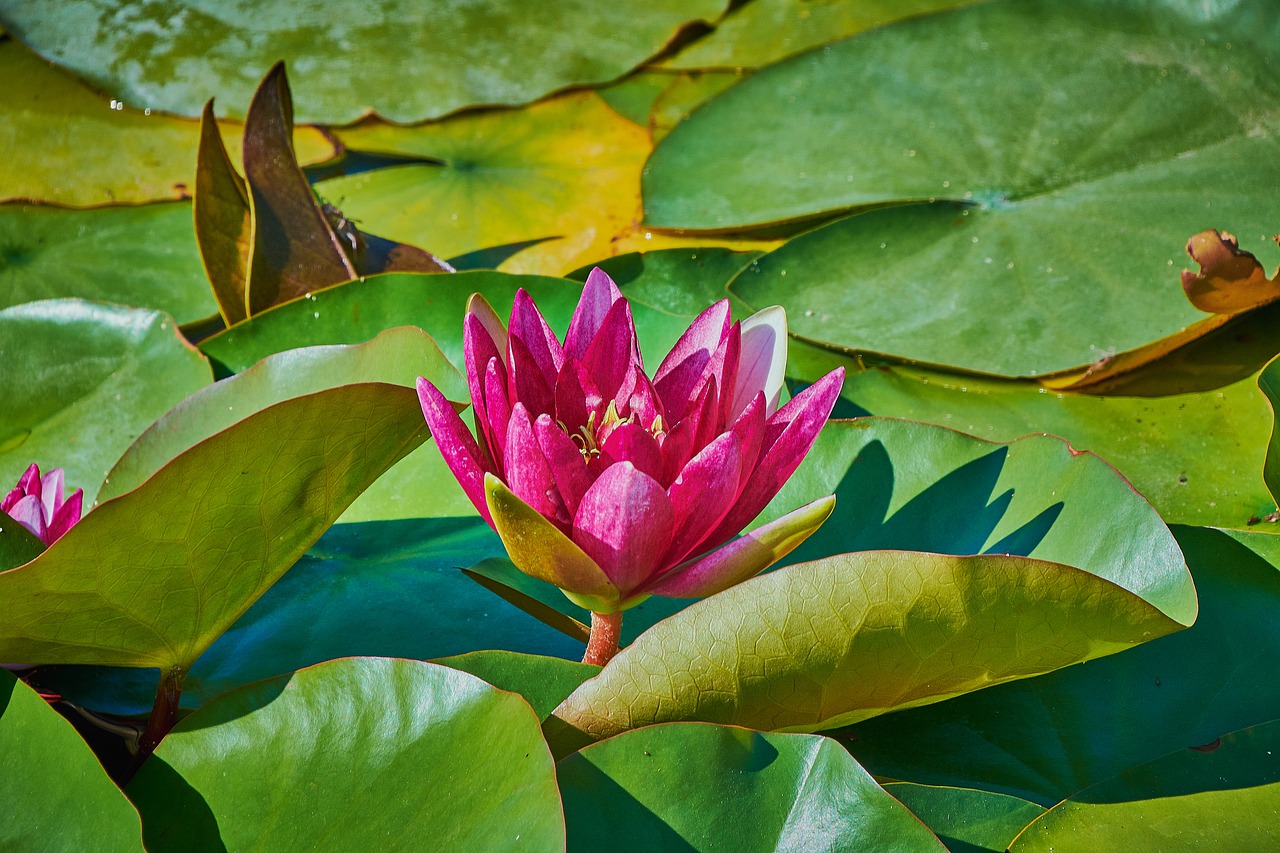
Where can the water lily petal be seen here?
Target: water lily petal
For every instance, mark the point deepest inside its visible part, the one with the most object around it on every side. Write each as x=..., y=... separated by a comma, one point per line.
x=479, y=307
x=681, y=441
x=526, y=382
x=540, y=550
x=527, y=473
x=749, y=427
x=598, y=295
x=51, y=491
x=683, y=370
x=576, y=395
x=763, y=363
x=624, y=525
x=458, y=447
x=65, y=516
x=479, y=355
x=29, y=482
x=630, y=442
x=528, y=324
x=613, y=350
x=746, y=556
x=703, y=494
x=29, y=512
x=794, y=429
x=567, y=463
x=643, y=402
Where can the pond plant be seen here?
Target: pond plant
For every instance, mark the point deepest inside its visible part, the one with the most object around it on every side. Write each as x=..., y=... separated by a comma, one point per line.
x=348, y=499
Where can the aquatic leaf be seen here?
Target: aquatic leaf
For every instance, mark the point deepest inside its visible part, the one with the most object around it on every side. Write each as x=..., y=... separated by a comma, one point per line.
x=56, y=794
x=82, y=381
x=333, y=756
x=172, y=55
x=967, y=820
x=223, y=222
x=679, y=786
x=542, y=681
x=1229, y=280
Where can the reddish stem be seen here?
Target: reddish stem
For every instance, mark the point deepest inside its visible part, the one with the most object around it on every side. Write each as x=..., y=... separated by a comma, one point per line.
x=164, y=713
x=606, y=631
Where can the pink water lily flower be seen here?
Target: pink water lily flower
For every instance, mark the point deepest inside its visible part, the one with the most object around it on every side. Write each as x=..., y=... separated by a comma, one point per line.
x=614, y=486
x=38, y=505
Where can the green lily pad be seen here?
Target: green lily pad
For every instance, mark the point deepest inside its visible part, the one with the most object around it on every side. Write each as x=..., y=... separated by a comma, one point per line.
x=396, y=356
x=1196, y=456
x=153, y=577
x=1113, y=714
x=818, y=645
x=73, y=146
x=1055, y=140
x=82, y=381
x=140, y=256
x=1269, y=383
x=543, y=681
x=907, y=485
x=692, y=786
x=174, y=55
x=56, y=794
x=763, y=31
x=967, y=820
x=633, y=96
x=350, y=753
x=1223, y=795
x=17, y=544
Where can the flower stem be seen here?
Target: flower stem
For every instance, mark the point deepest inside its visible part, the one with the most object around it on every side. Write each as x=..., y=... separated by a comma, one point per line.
x=163, y=714
x=602, y=645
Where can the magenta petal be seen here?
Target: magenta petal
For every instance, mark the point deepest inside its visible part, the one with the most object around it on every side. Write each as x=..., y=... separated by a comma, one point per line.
x=15, y=494
x=527, y=474
x=568, y=466
x=801, y=420
x=479, y=308
x=598, y=296
x=497, y=412
x=29, y=482
x=624, y=525
x=51, y=491
x=29, y=512
x=576, y=395
x=612, y=351
x=526, y=382
x=66, y=516
x=478, y=352
x=528, y=324
x=457, y=445
x=703, y=494
x=683, y=370
x=750, y=428
x=630, y=442
x=644, y=402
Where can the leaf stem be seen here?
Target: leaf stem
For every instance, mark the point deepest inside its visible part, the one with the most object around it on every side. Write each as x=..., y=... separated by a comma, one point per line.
x=164, y=713
x=606, y=631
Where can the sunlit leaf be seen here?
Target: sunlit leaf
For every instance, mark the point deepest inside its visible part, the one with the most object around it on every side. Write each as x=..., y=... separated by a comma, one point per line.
x=223, y=222
x=66, y=144
x=542, y=681
x=153, y=577
x=57, y=796
x=350, y=753
x=966, y=819
x=175, y=54
x=691, y=786
x=81, y=381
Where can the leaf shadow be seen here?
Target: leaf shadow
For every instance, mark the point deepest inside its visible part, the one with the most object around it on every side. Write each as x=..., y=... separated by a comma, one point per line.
x=175, y=815
x=956, y=514
x=595, y=806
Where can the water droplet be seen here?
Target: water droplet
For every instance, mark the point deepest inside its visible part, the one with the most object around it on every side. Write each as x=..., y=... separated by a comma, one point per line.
x=648, y=235
x=808, y=313
x=882, y=245
x=946, y=184
x=316, y=315
x=986, y=260
x=1009, y=265
x=973, y=239
x=784, y=272
x=911, y=152
x=147, y=111
x=1043, y=391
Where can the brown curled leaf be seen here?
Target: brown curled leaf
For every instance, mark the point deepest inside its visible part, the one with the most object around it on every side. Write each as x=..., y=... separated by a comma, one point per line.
x=223, y=222
x=1230, y=280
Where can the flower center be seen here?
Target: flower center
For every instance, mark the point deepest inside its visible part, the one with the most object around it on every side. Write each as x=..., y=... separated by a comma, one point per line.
x=591, y=436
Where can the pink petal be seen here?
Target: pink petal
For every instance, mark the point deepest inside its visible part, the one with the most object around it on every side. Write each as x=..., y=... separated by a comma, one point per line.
x=612, y=351
x=598, y=296
x=528, y=324
x=527, y=474
x=703, y=494
x=15, y=494
x=567, y=463
x=29, y=512
x=644, y=402
x=763, y=362
x=526, y=382
x=576, y=395
x=457, y=446
x=29, y=482
x=479, y=307
x=624, y=525
x=51, y=489
x=682, y=371
x=750, y=428
x=800, y=420
x=681, y=442
x=66, y=516
x=479, y=352
x=746, y=556
x=497, y=412
x=630, y=442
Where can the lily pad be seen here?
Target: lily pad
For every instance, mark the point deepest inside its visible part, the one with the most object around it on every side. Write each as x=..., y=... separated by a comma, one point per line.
x=819, y=645
x=1113, y=714
x=763, y=31
x=1225, y=794
x=175, y=54
x=153, y=577
x=543, y=681
x=93, y=151
x=56, y=794
x=1196, y=456
x=1269, y=383
x=350, y=753
x=397, y=356
x=140, y=256
x=745, y=791
x=967, y=820
x=82, y=381
x=17, y=544
x=1054, y=139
